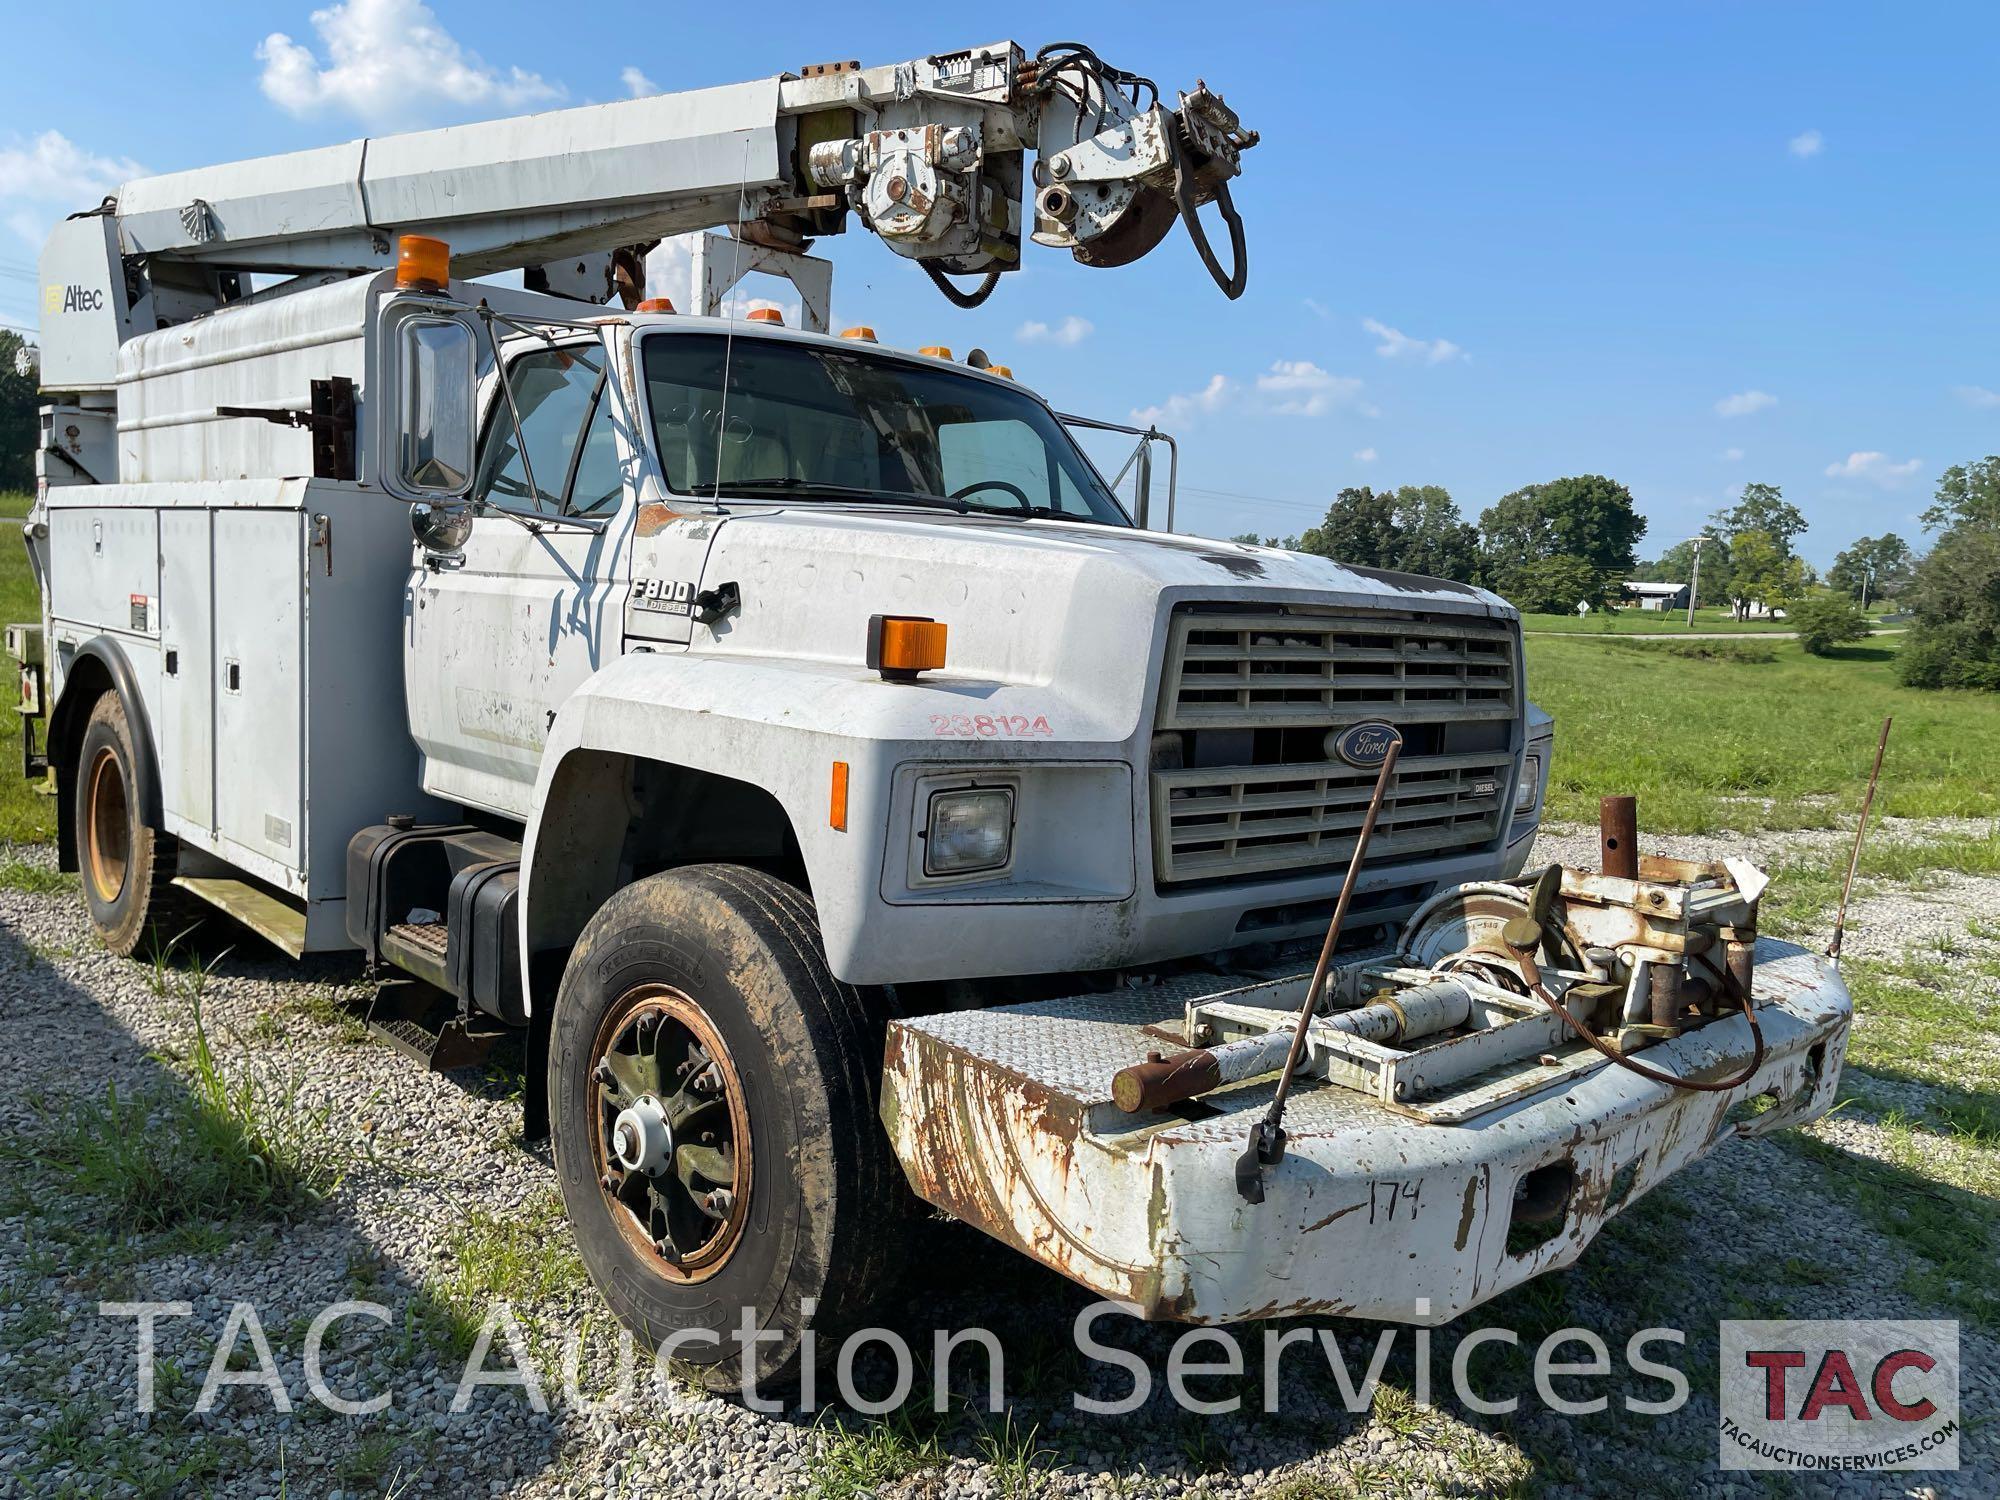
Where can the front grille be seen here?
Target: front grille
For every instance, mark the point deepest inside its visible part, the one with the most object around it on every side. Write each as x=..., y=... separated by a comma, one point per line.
x=1265, y=687
x=1301, y=669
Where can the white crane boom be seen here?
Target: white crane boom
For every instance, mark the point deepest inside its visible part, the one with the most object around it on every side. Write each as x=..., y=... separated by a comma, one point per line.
x=929, y=154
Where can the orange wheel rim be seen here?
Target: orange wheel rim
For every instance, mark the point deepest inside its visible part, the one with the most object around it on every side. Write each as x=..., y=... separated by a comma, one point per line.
x=670, y=1142
x=108, y=826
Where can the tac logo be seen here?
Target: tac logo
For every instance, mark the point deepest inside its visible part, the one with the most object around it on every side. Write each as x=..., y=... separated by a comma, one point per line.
x=1855, y=1396
x=68, y=299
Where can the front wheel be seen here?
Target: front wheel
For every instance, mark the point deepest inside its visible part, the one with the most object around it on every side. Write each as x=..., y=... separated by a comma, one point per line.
x=714, y=1093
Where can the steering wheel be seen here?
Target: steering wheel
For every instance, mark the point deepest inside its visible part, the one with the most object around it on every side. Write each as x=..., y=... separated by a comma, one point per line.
x=1019, y=494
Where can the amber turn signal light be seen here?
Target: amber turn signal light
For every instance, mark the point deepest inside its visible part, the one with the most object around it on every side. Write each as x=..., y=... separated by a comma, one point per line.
x=422, y=263
x=836, y=802
x=900, y=646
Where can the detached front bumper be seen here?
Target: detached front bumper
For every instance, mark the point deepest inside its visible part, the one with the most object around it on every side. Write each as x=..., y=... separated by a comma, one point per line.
x=1004, y=1118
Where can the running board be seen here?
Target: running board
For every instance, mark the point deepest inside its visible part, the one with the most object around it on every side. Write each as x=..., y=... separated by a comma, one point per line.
x=268, y=916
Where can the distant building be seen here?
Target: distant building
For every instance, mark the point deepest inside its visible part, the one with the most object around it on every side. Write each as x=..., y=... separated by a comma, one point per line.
x=1657, y=595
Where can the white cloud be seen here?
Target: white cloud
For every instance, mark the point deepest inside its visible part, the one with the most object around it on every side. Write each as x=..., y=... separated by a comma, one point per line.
x=1806, y=143
x=390, y=62
x=1179, y=409
x=637, y=84
x=1366, y=456
x=1732, y=455
x=1876, y=468
x=1745, y=403
x=1397, y=344
x=1316, y=307
x=1070, y=331
x=670, y=270
x=45, y=177
x=1300, y=388
x=1978, y=397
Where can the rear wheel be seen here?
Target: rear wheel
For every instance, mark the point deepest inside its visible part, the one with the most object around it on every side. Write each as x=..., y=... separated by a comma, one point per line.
x=713, y=1097
x=126, y=864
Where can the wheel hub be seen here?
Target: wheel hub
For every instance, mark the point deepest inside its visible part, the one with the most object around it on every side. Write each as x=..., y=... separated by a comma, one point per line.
x=641, y=1138
x=107, y=830
x=672, y=1144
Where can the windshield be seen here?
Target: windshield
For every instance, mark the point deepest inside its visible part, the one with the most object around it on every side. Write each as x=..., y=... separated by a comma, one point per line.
x=805, y=421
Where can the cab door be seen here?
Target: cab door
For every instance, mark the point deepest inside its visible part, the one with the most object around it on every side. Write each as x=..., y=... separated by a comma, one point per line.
x=500, y=638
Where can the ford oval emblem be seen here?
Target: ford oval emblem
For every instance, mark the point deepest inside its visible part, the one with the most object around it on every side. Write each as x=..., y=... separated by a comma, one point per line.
x=1364, y=745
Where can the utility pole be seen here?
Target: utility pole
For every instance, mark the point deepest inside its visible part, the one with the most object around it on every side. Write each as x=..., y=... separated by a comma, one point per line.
x=1694, y=583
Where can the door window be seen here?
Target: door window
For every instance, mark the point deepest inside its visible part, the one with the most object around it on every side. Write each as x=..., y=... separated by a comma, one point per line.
x=555, y=391
x=600, y=481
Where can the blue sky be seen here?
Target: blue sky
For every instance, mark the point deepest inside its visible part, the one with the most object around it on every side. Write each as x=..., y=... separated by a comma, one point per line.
x=1686, y=246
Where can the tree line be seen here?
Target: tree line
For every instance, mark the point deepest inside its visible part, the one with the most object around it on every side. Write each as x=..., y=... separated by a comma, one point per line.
x=1548, y=547
x=1544, y=547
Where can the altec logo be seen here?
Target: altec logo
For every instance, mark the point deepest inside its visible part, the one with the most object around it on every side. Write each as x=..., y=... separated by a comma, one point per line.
x=66, y=299
x=1857, y=1395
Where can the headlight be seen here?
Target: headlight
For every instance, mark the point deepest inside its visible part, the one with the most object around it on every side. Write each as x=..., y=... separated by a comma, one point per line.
x=1531, y=785
x=970, y=830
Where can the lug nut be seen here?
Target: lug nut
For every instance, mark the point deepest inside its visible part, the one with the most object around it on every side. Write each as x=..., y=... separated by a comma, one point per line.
x=603, y=1073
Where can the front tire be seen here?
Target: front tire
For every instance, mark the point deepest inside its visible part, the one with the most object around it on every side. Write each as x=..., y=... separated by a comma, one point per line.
x=127, y=865
x=713, y=1098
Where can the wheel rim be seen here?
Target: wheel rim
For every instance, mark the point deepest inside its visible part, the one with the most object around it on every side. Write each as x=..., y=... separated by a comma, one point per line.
x=671, y=1147
x=108, y=832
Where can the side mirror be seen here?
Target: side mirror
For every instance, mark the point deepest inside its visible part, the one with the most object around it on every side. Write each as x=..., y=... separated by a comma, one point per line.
x=441, y=527
x=437, y=373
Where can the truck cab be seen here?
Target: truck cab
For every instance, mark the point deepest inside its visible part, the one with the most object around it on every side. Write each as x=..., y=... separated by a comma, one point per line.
x=1140, y=722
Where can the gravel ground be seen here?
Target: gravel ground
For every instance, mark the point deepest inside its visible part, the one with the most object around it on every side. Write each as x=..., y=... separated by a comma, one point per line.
x=439, y=1206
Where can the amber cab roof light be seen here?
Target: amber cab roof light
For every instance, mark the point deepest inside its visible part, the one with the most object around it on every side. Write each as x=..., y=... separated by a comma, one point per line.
x=767, y=315
x=936, y=351
x=422, y=263
x=901, y=646
x=656, y=305
x=860, y=331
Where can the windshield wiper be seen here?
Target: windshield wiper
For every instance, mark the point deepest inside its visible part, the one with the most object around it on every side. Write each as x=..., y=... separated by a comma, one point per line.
x=849, y=492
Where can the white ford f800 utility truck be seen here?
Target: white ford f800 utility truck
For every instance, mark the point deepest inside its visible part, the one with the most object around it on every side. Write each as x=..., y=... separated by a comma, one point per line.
x=803, y=745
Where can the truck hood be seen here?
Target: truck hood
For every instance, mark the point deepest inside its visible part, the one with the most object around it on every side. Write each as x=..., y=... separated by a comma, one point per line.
x=1045, y=602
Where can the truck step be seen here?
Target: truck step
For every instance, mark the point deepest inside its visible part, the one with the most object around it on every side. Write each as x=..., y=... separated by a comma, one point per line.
x=269, y=916
x=425, y=1024
x=420, y=948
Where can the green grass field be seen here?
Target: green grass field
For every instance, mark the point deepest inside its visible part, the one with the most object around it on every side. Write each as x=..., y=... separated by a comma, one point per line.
x=1651, y=622
x=26, y=816
x=1692, y=739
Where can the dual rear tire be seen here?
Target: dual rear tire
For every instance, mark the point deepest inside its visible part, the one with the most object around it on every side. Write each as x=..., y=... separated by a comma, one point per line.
x=126, y=865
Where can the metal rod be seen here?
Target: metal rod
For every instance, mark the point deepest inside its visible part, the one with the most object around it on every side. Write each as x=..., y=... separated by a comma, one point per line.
x=1267, y=1136
x=1618, y=836
x=1860, y=832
